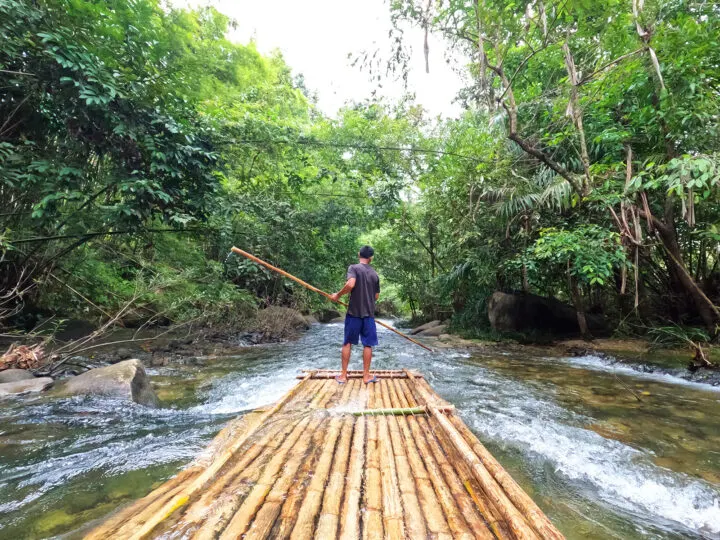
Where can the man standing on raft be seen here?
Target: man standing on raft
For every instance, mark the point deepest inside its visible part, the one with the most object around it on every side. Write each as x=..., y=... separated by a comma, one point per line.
x=363, y=284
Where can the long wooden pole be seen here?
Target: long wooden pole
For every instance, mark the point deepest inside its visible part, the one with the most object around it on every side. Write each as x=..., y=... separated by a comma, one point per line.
x=315, y=289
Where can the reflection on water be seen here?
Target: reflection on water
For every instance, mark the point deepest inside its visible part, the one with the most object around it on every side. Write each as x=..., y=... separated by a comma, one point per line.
x=601, y=463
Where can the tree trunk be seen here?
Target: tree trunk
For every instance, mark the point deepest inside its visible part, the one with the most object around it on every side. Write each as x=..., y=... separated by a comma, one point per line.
x=706, y=309
x=579, y=308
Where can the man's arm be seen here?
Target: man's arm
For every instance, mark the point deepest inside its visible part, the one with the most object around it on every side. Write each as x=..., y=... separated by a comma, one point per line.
x=349, y=285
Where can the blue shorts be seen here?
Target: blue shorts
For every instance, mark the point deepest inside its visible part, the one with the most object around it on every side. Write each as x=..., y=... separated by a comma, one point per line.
x=364, y=327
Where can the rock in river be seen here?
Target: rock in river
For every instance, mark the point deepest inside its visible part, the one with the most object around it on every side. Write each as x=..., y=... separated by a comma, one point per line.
x=123, y=380
x=525, y=312
x=434, y=331
x=35, y=384
x=12, y=375
x=424, y=327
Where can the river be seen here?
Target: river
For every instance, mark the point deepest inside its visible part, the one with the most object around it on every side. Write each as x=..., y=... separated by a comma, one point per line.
x=570, y=430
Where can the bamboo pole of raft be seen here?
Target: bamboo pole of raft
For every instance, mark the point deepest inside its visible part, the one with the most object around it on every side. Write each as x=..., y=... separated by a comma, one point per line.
x=289, y=510
x=215, y=508
x=372, y=496
x=244, y=515
x=414, y=520
x=398, y=411
x=468, y=510
x=182, y=499
x=265, y=516
x=425, y=495
x=521, y=500
x=350, y=521
x=462, y=521
x=514, y=518
x=315, y=289
x=459, y=475
x=160, y=495
x=537, y=518
x=440, y=510
x=391, y=492
x=305, y=523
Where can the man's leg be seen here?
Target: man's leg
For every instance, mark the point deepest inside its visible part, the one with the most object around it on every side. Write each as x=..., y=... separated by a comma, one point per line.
x=345, y=356
x=367, y=359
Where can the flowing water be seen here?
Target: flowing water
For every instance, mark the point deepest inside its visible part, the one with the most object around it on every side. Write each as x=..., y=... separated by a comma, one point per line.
x=570, y=430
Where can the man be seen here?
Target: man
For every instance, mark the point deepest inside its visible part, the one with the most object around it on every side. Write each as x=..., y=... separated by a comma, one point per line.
x=363, y=284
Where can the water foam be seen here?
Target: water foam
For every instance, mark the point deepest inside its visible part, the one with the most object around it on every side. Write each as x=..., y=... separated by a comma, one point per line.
x=622, y=476
x=597, y=363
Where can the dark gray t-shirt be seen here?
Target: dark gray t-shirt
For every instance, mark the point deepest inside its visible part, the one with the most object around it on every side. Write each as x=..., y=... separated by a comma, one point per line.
x=367, y=285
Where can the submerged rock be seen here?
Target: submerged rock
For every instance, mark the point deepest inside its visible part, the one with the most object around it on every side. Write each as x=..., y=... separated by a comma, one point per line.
x=13, y=375
x=424, y=327
x=34, y=384
x=125, y=379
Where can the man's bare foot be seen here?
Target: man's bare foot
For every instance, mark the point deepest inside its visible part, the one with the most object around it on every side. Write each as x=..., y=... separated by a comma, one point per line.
x=342, y=379
x=367, y=379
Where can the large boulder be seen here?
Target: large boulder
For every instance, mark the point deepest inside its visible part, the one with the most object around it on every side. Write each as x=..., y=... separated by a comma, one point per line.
x=434, y=331
x=529, y=313
x=126, y=380
x=278, y=323
x=337, y=320
x=327, y=315
x=14, y=375
x=34, y=384
x=424, y=327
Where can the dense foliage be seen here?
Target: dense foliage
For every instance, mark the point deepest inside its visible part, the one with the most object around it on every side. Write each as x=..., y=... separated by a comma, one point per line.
x=594, y=125
x=137, y=144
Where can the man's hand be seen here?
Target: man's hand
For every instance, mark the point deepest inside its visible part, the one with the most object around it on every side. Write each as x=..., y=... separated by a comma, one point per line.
x=335, y=297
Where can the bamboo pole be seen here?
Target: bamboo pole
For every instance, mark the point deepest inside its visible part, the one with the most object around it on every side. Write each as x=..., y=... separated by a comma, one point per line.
x=270, y=508
x=537, y=518
x=305, y=524
x=246, y=513
x=432, y=509
x=469, y=489
x=458, y=473
x=219, y=501
x=296, y=494
x=350, y=520
x=181, y=499
x=436, y=500
x=228, y=501
x=514, y=518
x=213, y=505
x=392, y=505
x=327, y=525
x=156, y=497
x=462, y=516
x=398, y=411
x=134, y=515
x=315, y=289
x=521, y=500
x=213, y=502
x=372, y=496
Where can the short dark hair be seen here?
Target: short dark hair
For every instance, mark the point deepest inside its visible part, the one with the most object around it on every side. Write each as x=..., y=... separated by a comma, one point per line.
x=366, y=252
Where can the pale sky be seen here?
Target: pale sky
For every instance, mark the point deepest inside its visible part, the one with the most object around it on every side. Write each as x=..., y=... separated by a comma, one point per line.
x=315, y=37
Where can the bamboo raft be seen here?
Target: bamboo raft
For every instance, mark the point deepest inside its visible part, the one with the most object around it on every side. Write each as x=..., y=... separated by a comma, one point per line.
x=385, y=460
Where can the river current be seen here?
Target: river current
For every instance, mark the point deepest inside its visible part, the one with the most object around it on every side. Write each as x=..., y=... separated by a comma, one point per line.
x=607, y=452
